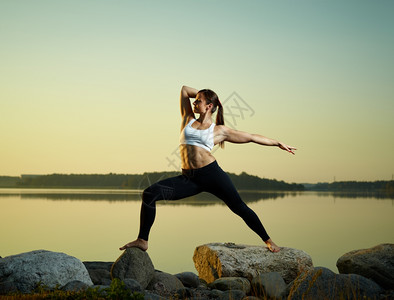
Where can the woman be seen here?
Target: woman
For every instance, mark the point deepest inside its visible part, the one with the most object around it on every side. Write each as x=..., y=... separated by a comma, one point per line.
x=200, y=171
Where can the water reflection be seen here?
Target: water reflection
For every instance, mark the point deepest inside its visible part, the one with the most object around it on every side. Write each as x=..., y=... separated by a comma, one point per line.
x=92, y=224
x=201, y=199
x=356, y=194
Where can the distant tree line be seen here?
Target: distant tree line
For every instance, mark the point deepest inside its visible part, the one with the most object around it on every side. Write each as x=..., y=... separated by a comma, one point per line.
x=9, y=181
x=245, y=181
x=242, y=181
x=352, y=186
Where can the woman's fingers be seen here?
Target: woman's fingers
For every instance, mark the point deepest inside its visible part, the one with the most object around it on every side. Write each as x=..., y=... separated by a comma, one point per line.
x=288, y=148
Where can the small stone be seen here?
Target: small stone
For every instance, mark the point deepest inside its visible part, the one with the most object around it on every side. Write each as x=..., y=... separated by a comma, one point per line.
x=164, y=284
x=184, y=293
x=202, y=293
x=232, y=295
x=270, y=285
x=152, y=296
x=99, y=272
x=231, y=283
x=216, y=293
x=188, y=279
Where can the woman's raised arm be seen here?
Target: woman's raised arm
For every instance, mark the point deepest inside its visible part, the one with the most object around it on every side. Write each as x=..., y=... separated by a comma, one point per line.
x=186, y=107
x=239, y=137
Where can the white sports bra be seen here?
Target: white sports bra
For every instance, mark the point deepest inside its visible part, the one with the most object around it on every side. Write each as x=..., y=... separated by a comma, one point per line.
x=201, y=138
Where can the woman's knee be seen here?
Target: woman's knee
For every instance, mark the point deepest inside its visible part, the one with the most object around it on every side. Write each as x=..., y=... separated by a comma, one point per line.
x=240, y=208
x=157, y=192
x=148, y=195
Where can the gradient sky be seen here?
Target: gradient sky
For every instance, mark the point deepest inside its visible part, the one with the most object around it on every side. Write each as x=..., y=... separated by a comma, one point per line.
x=93, y=86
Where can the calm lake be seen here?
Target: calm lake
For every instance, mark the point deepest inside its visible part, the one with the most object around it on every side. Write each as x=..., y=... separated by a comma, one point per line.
x=92, y=224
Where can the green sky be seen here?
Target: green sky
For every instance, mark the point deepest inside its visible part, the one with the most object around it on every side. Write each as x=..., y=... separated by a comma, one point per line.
x=93, y=86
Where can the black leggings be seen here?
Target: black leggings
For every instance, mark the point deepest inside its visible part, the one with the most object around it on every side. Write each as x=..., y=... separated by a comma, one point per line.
x=211, y=179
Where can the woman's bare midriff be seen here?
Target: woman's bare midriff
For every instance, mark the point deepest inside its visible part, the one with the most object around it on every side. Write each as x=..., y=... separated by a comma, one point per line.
x=194, y=157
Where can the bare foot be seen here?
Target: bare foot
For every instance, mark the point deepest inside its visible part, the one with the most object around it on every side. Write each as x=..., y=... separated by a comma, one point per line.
x=272, y=246
x=139, y=243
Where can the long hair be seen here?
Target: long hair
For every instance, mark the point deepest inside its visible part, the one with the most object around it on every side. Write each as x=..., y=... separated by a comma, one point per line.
x=212, y=97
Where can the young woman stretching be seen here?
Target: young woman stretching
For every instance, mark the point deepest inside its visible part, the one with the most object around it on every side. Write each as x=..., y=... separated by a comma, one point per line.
x=200, y=171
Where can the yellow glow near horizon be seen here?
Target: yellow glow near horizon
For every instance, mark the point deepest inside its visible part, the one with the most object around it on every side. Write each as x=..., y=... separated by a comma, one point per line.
x=93, y=87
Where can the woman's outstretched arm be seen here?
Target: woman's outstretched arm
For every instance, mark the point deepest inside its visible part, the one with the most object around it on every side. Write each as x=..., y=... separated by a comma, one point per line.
x=186, y=107
x=239, y=137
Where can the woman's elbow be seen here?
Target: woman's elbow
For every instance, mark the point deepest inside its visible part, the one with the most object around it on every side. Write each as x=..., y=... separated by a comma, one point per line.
x=250, y=138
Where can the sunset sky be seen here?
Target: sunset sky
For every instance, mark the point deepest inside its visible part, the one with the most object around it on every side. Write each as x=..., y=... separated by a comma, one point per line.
x=93, y=86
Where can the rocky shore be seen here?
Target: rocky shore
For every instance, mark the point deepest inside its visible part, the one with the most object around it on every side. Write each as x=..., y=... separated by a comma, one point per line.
x=225, y=271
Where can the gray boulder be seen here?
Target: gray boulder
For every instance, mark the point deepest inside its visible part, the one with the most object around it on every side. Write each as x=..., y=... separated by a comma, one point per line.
x=269, y=285
x=164, y=284
x=231, y=283
x=322, y=283
x=375, y=263
x=99, y=272
x=24, y=271
x=216, y=260
x=188, y=279
x=135, y=264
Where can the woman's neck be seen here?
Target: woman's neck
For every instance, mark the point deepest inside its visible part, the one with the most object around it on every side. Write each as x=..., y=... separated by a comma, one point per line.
x=205, y=119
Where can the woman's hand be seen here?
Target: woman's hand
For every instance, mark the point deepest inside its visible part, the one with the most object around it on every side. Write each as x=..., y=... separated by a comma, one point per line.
x=286, y=148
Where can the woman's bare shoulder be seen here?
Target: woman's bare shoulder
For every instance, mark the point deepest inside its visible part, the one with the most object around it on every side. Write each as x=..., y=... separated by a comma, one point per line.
x=186, y=120
x=221, y=128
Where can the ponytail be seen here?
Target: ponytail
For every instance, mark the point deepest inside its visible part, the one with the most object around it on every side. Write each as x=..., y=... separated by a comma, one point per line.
x=211, y=97
x=220, y=119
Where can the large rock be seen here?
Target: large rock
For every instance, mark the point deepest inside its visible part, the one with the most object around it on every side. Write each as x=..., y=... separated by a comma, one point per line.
x=322, y=283
x=217, y=260
x=24, y=271
x=135, y=264
x=376, y=263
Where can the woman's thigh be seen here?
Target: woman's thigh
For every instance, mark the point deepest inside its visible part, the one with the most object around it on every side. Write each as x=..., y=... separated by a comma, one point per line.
x=222, y=187
x=173, y=188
